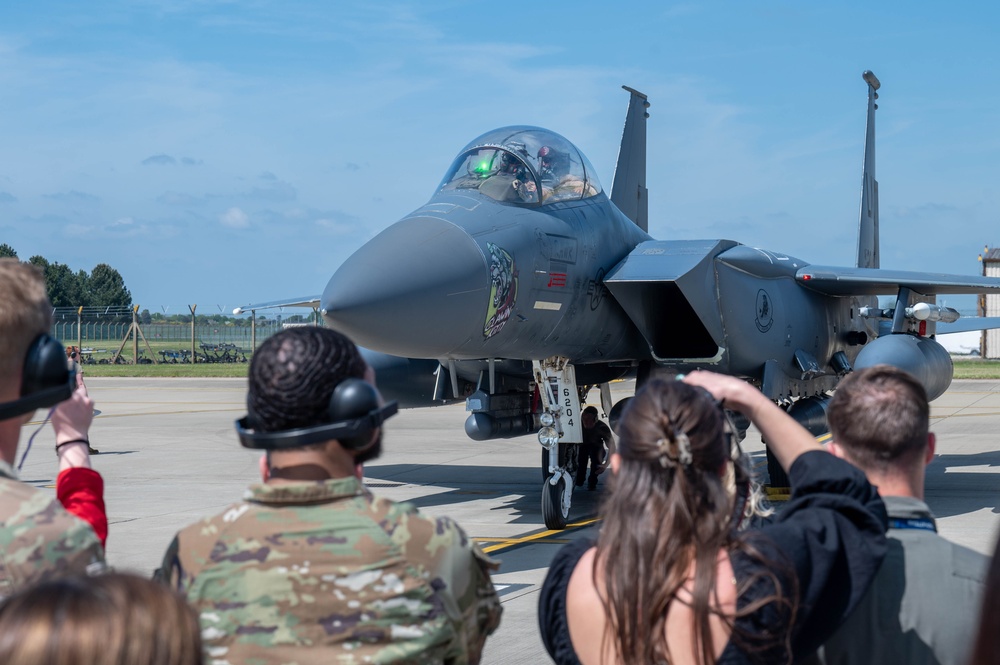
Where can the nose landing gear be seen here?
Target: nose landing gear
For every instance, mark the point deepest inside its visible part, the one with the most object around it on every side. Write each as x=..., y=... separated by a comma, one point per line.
x=560, y=436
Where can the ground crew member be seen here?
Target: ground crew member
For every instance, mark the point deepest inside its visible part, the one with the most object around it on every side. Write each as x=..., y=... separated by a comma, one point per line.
x=598, y=444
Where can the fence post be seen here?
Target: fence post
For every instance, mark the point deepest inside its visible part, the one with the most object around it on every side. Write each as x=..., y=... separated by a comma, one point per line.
x=194, y=356
x=79, y=333
x=135, y=336
x=253, y=331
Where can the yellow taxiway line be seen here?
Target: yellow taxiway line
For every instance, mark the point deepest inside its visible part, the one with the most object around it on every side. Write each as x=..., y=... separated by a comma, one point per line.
x=504, y=543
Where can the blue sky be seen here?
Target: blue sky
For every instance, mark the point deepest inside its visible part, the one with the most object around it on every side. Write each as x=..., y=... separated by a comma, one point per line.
x=219, y=153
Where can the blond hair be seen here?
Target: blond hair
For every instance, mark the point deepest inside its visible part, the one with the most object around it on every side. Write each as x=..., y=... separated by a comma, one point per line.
x=104, y=620
x=25, y=313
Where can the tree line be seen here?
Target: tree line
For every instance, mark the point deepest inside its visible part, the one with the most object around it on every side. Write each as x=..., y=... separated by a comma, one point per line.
x=102, y=287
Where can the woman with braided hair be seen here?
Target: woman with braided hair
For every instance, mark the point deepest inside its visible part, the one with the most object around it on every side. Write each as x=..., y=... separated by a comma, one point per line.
x=672, y=577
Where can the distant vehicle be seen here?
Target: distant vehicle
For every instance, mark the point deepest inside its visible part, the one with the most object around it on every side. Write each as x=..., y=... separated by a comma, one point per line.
x=521, y=273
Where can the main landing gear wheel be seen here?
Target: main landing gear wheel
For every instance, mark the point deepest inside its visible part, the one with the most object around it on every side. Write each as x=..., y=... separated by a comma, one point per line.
x=775, y=474
x=555, y=506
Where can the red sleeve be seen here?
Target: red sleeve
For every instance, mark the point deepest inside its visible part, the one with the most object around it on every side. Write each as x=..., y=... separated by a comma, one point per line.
x=81, y=492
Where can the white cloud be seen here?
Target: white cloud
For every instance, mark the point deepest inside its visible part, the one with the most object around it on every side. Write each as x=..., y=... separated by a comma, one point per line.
x=235, y=218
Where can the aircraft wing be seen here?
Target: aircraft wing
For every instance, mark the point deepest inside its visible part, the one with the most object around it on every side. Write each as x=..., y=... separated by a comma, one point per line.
x=307, y=301
x=841, y=281
x=970, y=324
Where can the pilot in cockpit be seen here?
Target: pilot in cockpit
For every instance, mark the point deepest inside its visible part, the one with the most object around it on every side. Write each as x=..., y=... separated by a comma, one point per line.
x=559, y=180
x=552, y=164
x=511, y=181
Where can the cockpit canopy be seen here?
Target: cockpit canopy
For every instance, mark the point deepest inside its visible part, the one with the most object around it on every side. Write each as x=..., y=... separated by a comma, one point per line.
x=528, y=165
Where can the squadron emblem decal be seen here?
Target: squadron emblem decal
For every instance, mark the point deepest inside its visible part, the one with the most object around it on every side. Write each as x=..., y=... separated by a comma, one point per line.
x=765, y=313
x=503, y=289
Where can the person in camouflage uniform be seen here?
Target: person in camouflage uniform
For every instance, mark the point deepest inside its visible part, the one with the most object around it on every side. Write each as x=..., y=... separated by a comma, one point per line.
x=310, y=566
x=39, y=539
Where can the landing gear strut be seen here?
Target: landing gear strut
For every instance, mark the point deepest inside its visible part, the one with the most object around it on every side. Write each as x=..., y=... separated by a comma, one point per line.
x=560, y=436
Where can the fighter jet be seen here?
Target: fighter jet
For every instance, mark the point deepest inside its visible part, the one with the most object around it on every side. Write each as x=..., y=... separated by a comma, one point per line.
x=521, y=285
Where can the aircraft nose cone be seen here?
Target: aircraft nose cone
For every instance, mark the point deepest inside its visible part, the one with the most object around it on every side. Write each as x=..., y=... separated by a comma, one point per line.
x=418, y=289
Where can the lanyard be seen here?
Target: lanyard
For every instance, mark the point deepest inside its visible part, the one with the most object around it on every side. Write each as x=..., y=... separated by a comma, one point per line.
x=922, y=523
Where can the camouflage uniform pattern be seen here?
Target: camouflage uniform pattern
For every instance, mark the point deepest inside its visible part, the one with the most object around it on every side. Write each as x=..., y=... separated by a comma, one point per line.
x=39, y=540
x=309, y=572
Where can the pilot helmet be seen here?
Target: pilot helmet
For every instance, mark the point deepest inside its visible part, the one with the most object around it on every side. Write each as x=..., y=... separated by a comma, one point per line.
x=509, y=163
x=550, y=159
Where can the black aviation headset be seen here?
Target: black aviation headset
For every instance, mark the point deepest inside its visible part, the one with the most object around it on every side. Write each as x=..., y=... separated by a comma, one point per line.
x=46, y=379
x=355, y=412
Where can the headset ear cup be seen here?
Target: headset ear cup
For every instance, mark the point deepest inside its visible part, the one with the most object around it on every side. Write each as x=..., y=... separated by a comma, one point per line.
x=45, y=366
x=46, y=379
x=352, y=399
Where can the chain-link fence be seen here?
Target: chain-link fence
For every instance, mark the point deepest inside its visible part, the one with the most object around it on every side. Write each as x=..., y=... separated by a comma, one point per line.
x=117, y=335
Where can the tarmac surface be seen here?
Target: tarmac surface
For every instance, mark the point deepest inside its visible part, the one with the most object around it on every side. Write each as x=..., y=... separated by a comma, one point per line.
x=169, y=456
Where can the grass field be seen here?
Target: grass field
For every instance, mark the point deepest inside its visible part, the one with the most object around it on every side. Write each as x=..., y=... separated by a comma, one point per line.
x=968, y=368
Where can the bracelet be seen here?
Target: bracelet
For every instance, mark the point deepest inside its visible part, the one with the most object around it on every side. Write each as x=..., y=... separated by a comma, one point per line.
x=69, y=443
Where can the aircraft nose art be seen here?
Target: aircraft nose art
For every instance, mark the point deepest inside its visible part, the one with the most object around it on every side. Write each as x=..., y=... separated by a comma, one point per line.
x=418, y=289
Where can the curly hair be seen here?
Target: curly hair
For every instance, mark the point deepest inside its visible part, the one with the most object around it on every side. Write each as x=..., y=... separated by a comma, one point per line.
x=293, y=374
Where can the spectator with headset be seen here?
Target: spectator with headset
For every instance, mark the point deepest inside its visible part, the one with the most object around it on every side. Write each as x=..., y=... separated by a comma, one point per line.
x=311, y=566
x=39, y=538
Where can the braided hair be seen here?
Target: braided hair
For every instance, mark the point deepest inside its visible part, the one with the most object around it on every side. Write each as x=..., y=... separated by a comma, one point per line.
x=293, y=374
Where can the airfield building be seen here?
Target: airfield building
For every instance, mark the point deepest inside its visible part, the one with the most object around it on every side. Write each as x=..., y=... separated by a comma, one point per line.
x=989, y=305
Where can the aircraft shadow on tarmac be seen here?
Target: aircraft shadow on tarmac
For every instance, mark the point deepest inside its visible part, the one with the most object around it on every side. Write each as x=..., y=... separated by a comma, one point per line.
x=952, y=490
x=463, y=483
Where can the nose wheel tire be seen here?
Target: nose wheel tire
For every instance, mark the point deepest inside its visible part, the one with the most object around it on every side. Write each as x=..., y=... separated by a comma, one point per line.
x=555, y=504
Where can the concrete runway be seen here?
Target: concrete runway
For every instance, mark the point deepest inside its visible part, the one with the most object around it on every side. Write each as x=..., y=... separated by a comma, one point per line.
x=169, y=456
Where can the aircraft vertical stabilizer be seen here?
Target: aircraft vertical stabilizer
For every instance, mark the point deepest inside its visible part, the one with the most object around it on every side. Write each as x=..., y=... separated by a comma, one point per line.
x=868, y=255
x=628, y=192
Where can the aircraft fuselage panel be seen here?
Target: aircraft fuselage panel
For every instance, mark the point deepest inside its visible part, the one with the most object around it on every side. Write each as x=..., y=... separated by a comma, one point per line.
x=464, y=281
